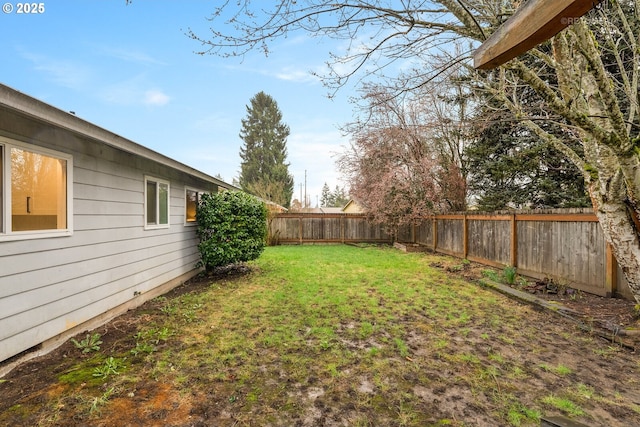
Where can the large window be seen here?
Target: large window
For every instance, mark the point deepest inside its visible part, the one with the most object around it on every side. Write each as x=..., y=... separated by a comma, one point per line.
x=156, y=203
x=35, y=187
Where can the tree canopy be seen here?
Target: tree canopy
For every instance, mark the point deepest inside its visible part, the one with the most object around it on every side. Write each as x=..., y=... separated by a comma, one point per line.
x=264, y=170
x=511, y=167
x=336, y=198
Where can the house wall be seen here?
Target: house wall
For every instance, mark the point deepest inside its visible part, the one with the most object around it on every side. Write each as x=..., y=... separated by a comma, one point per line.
x=50, y=286
x=352, y=207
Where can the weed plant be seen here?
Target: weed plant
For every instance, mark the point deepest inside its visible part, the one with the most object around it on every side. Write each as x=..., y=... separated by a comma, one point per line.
x=90, y=343
x=510, y=275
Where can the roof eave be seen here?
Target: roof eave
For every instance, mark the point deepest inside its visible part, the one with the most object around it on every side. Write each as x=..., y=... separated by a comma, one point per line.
x=25, y=104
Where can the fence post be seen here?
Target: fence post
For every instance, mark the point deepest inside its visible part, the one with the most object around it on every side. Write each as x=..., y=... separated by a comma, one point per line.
x=611, y=275
x=514, y=241
x=342, y=220
x=465, y=236
x=435, y=233
x=300, y=228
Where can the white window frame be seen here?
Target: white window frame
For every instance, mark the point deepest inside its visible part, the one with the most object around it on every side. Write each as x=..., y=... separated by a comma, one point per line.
x=158, y=182
x=6, y=232
x=200, y=193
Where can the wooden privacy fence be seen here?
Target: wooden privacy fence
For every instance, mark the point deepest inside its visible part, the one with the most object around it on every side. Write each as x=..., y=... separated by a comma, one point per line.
x=301, y=228
x=564, y=244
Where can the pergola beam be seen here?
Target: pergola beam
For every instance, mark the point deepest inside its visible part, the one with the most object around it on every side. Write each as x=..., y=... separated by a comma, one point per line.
x=535, y=22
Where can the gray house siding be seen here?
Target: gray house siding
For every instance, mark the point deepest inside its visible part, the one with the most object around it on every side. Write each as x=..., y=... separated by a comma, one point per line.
x=53, y=286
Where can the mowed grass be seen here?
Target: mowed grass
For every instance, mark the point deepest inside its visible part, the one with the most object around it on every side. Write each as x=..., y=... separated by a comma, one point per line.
x=356, y=336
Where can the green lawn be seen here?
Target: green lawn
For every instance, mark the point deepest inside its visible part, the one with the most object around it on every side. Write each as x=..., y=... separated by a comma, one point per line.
x=340, y=335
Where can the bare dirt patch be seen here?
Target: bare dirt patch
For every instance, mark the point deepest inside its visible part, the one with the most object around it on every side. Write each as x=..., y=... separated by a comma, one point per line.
x=608, y=313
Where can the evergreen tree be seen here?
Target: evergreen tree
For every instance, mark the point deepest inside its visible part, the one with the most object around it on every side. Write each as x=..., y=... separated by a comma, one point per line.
x=263, y=169
x=333, y=199
x=325, y=198
x=511, y=167
x=339, y=197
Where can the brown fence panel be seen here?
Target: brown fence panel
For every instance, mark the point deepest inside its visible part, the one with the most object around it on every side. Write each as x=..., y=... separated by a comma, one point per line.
x=574, y=252
x=285, y=228
x=359, y=229
x=489, y=239
x=424, y=233
x=327, y=228
x=405, y=233
x=450, y=233
x=355, y=228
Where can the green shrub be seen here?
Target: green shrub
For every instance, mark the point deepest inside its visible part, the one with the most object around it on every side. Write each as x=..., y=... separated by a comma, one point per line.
x=232, y=228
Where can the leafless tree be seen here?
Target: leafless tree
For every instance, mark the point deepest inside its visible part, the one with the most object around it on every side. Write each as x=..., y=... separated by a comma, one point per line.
x=401, y=165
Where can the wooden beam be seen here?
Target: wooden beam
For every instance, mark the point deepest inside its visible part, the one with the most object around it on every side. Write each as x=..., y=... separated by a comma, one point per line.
x=535, y=22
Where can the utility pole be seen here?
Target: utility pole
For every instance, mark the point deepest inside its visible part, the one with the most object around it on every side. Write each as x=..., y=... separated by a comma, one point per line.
x=305, y=188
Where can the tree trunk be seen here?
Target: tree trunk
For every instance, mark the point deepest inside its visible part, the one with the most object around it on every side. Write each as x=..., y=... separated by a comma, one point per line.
x=619, y=230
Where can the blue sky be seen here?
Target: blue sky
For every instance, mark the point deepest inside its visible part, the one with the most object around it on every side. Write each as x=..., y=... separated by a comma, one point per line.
x=132, y=70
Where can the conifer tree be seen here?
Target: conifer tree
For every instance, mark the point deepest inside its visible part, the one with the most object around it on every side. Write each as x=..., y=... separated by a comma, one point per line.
x=264, y=170
x=513, y=168
x=325, y=198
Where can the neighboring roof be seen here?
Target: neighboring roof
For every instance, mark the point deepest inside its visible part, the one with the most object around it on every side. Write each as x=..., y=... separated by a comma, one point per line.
x=274, y=206
x=330, y=210
x=25, y=104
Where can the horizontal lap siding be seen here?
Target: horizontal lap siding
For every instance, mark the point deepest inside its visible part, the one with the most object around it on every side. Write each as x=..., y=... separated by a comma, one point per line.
x=50, y=285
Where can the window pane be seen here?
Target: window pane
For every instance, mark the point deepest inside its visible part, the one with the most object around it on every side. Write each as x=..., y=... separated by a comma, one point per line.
x=191, y=203
x=38, y=191
x=163, y=200
x=151, y=203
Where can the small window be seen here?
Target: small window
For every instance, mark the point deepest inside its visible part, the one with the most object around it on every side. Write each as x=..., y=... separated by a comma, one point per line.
x=192, y=198
x=191, y=203
x=35, y=191
x=156, y=203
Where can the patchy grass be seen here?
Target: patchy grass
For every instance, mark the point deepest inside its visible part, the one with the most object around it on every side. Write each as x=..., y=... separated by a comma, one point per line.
x=330, y=335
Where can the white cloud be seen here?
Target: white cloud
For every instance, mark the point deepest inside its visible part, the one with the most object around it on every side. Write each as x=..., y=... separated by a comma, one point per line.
x=156, y=97
x=294, y=75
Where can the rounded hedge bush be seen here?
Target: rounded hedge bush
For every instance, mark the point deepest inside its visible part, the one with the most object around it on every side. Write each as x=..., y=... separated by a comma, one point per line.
x=232, y=227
